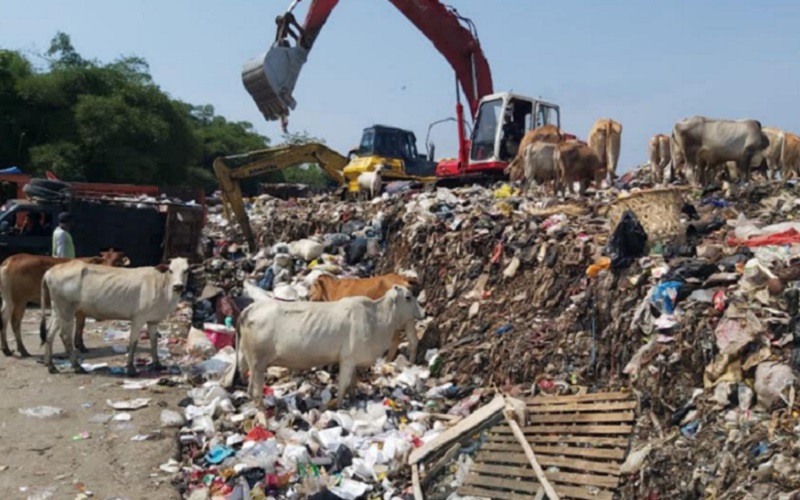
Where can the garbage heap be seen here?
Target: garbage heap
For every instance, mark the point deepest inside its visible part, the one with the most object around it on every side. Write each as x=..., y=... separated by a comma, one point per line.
x=692, y=307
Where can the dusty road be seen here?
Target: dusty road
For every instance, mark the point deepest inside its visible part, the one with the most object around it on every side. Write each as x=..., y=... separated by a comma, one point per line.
x=49, y=457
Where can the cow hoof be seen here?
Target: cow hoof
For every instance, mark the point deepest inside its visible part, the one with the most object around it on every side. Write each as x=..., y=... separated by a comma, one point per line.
x=52, y=369
x=7, y=351
x=82, y=348
x=131, y=372
x=24, y=353
x=157, y=367
x=80, y=371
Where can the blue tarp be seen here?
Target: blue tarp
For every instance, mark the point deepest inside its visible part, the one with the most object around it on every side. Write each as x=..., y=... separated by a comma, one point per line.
x=11, y=170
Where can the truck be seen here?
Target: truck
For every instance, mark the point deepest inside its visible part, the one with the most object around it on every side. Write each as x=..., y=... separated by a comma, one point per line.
x=149, y=230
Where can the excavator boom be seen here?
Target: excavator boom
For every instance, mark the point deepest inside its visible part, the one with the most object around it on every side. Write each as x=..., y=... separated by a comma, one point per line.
x=268, y=160
x=271, y=77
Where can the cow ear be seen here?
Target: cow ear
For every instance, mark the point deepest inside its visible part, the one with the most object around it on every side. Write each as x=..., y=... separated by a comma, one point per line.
x=162, y=268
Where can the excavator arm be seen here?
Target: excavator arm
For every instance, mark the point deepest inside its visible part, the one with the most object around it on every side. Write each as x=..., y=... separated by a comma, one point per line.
x=270, y=78
x=268, y=160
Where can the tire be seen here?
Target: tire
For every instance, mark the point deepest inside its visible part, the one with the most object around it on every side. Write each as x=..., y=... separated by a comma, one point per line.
x=50, y=185
x=43, y=193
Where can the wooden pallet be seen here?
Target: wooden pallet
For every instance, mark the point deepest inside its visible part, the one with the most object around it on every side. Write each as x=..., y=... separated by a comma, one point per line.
x=585, y=437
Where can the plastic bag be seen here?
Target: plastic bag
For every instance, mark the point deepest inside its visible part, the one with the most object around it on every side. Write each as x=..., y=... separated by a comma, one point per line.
x=627, y=242
x=41, y=411
x=771, y=379
x=698, y=269
x=665, y=296
x=306, y=249
x=171, y=418
x=197, y=344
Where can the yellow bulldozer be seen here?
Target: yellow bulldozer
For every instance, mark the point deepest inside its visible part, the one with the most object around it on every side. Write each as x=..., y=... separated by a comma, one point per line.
x=392, y=148
x=232, y=169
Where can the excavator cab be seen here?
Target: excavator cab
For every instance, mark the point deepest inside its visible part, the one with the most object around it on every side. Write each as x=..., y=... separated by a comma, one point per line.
x=393, y=148
x=502, y=121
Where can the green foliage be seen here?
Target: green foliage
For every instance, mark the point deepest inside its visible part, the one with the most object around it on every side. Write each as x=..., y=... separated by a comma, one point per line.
x=309, y=174
x=108, y=122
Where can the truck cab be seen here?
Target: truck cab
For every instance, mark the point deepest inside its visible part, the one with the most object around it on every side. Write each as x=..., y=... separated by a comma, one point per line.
x=27, y=227
x=393, y=148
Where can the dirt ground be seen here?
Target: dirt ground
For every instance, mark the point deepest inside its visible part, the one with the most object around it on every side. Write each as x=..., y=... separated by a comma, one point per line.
x=43, y=455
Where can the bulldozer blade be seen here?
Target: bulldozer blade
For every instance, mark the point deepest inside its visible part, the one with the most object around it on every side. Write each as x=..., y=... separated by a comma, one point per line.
x=270, y=79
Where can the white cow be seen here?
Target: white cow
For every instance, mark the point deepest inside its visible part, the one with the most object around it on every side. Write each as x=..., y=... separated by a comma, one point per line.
x=539, y=163
x=353, y=332
x=704, y=144
x=370, y=182
x=144, y=295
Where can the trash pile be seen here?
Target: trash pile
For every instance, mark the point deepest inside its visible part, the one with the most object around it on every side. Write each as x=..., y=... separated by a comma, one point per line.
x=525, y=296
x=300, y=447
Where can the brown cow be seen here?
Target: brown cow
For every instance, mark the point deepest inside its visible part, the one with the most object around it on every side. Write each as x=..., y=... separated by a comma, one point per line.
x=791, y=156
x=659, y=153
x=604, y=139
x=577, y=162
x=328, y=289
x=548, y=133
x=21, y=283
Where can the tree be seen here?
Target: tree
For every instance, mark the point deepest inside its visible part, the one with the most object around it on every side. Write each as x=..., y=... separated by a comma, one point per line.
x=220, y=137
x=108, y=122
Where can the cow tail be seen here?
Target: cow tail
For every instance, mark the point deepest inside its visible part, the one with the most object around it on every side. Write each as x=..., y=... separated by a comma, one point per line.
x=43, y=304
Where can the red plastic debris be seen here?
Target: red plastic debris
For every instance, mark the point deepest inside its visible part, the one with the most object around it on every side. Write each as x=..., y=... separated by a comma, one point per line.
x=497, y=253
x=258, y=433
x=719, y=300
x=546, y=385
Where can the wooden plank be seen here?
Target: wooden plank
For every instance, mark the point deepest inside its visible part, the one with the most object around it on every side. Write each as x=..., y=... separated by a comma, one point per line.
x=531, y=456
x=547, y=408
x=583, y=493
x=557, y=477
x=539, y=438
x=524, y=486
x=563, y=491
x=503, y=495
x=571, y=429
x=559, y=400
x=415, y=483
x=583, y=480
x=569, y=463
x=579, y=429
x=613, y=454
x=463, y=427
x=575, y=418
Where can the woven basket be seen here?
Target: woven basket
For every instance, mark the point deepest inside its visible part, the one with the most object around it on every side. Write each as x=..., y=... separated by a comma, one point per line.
x=658, y=210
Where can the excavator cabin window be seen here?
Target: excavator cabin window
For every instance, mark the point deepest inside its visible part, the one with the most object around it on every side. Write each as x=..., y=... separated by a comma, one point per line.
x=517, y=118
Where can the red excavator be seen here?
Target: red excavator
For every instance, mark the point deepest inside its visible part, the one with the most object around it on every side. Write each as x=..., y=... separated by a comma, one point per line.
x=499, y=119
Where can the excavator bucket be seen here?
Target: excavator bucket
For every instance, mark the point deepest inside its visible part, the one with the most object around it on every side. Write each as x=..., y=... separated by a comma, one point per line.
x=271, y=77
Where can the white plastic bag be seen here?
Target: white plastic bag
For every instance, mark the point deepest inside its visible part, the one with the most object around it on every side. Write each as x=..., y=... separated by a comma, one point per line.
x=306, y=249
x=197, y=344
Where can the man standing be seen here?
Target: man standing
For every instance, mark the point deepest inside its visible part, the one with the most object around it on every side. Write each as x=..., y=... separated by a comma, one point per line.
x=62, y=240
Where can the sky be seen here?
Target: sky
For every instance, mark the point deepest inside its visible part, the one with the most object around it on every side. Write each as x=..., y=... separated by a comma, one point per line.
x=645, y=64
